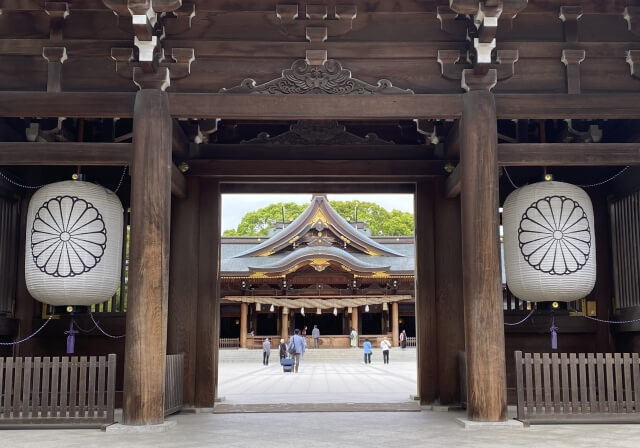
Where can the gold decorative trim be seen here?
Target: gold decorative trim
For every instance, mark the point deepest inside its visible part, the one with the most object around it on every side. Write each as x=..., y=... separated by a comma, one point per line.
x=319, y=264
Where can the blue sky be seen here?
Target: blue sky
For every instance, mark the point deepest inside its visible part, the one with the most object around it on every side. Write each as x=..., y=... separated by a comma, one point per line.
x=235, y=206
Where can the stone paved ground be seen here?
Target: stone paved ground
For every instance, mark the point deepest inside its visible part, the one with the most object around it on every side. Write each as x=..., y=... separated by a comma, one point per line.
x=246, y=383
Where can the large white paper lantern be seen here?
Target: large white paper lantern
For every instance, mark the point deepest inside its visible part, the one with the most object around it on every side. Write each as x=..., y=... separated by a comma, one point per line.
x=73, y=244
x=549, y=242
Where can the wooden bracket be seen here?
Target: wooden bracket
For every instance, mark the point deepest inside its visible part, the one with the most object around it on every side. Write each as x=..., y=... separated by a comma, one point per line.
x=55, y=57
x=572, y=59
x=633, y=59
x=510, y=8
x=632, y=16
x=57, y=11
x=474, y=81
x=151, y=80
x=317, y=23
x=570, y=16
x=179, y=21
x=451, y=68
x=447, y=18
x=179, y=64
x=316, y=57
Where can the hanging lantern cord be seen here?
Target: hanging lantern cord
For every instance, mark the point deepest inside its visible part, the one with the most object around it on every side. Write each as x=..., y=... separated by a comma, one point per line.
x=18, y=184
x=104, y=332
x=604, y=321
x=522, y=321
x=124, y=171
x=28, y=337
x=75, y=324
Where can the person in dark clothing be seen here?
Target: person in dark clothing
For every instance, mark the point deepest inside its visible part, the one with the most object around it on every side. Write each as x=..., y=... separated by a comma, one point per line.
x=266, y=351
x=283, y=349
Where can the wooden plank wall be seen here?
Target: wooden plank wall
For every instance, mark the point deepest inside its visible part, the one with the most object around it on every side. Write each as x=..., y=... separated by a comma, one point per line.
x=59, y=390
x=578, y=387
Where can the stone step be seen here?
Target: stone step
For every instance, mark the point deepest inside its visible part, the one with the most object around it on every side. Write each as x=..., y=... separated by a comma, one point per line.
x=319, y=355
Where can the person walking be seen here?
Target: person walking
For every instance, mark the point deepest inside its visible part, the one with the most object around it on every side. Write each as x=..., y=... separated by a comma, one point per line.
x=316, y=336
x=353, y=338
x=385, y=345
x=403, y=339
x=367, y=351
x=266, y=351
x=297, y=346
x=283, y=349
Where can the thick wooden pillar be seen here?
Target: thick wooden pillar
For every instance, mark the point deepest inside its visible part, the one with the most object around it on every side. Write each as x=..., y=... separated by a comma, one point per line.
x=449, y=302
x=243, y=325
x=145, y=345
x=284, y=324
x=395, y=326
x=483, y=315
x=426, y=341
x=208, y=320
x=183, y=284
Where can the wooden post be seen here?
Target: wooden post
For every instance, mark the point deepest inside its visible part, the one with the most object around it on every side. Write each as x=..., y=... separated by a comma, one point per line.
x=483, y=315
x=426, y=318
x=395, y=327
x=243, y=325
x=354, y=320
x=284, y=327
x=208, y=320
x=183, y=284
x=145, y=345
x=449, y=303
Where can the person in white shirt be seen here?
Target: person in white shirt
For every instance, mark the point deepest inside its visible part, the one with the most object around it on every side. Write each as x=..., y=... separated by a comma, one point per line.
x=385, y=345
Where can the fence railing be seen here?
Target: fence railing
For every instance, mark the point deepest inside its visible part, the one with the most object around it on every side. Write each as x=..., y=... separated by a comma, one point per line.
x=412, y=341
x=173, y=384
x=578, y=387
x=78, y=391
x=229, y=343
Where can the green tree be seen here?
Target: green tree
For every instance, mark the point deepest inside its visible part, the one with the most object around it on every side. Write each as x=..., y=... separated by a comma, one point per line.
x=378, y=219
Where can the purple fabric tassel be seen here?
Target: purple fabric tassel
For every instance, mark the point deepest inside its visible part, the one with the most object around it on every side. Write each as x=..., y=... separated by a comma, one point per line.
x=71, y=338
x=554, y=335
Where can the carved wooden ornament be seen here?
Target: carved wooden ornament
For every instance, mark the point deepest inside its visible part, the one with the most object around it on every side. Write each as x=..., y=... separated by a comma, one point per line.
x=329, y=78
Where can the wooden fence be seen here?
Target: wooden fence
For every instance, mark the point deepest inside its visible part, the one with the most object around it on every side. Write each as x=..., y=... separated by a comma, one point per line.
x=76, y=391
x=412, y=341
x=578, y=387
x=229, y=343
x=173, y=383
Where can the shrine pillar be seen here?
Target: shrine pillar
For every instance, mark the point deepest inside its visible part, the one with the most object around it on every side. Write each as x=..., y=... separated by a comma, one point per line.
x=426, y=317
x=208, y=319
x=183, y=284
x=244, y=310
x=483, y=314
x=395, y=326
x=146, y=321
x=354, y=320
x=284, y=325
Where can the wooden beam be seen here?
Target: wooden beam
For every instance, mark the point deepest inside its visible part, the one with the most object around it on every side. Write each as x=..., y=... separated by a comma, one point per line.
x=452, y=142
x=569, y=154
x=449, y=301
x=314, y=152
x=179, y=141
x=337, y=107
x=183, y=285
x=208, y=315
x=426, y=313
x=145, y=344
x=67, y=104
x=345, y=169
x=483, y=315
x=68, y=153
x=314, y=107
x=586, y=106
x=178, y=183
x=251, y=186
x=453, y=184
